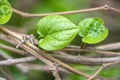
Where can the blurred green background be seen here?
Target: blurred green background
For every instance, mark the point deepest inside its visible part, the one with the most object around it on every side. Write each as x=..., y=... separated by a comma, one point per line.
x=28, y=25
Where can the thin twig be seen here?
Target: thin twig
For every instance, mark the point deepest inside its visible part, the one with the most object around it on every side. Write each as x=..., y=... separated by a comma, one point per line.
x=56, y=74
x=37, y=55
x=13, y=49
x=113, y=9
x=9, y=62
x=86, y=60
x=101, y=68
x=4, y=38
x=42, y=53
x=24, y=14
x=40, y=57
x=96, y=73
x=6, y=74
x=111, y=46
x=93, y=50
x=54, y=70
x=101, y=8
x=66, y=58
x=44, y=68
x=21, y=67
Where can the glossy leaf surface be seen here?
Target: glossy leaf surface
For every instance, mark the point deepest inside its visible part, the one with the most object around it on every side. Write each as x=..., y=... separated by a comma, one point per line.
x=57, y=32
x=92, y=30
x=5, y=11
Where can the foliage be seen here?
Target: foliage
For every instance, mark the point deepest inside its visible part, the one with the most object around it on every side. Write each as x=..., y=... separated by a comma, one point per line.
x=92, y=30
x=5, y=11
x=58, y=32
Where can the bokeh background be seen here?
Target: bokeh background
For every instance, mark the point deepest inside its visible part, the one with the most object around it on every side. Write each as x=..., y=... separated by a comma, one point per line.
x=28, y=25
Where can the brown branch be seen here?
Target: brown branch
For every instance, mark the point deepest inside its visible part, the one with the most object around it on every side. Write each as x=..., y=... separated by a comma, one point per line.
x=24, y=14
x=82, y=59
x=56, y=75
x=93, y=50
x=54, y=70
x=102, y=8
x=6, y=73
x=44, y=68
x=4, y=38
x=13, y=49
x=68, y=58
x=113, y=9
x=96, y=73
x=46, y=61
x=21, y=67
x=39, y=54
x=111, y=46
x=29, y=46
x=9, y=62
x=101, y=68
x=59, y=62
x=53, y=59
x=86, y=60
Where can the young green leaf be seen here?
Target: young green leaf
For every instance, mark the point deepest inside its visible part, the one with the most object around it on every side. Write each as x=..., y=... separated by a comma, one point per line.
x=57, y=32
x=92, y=30
x=5, y=11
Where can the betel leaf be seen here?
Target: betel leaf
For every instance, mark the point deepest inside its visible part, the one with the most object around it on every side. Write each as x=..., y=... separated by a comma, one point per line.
x=5, y=11
x=92, y=30
x=56, y=31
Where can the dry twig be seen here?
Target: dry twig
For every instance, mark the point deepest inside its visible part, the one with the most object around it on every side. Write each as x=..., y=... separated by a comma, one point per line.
x=6, y=73
x=93, y=50
x=74, y=59
x=39, y=54
x=9, y=62
x=102, y=8
x=101, y=68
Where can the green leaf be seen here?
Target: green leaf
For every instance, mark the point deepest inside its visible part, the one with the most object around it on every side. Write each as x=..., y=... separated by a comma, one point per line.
x=5, y=11
x=92, y=30
x=57, y=32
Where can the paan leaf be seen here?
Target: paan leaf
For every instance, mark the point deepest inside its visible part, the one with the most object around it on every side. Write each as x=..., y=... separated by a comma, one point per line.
x=92, y=30
x=5, y=11
x=57, y=32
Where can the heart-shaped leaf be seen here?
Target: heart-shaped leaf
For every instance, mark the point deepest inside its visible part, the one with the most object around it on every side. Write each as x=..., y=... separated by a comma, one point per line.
x=92, y=30
x=5, y=11
x=57, y=32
